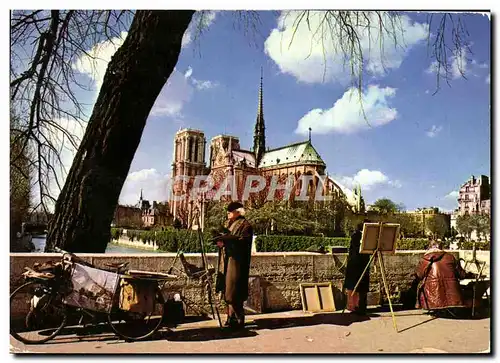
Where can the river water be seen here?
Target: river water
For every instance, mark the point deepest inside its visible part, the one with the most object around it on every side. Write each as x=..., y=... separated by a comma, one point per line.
x=39, y=243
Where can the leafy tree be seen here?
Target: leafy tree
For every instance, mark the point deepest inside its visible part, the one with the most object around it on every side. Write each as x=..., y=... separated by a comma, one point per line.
x=437, y=226
x=481, y=224
x=465, y=226
x=350, y=223
x=408, y=226
x=134, y=78
x=215, y=215
x=386, y=206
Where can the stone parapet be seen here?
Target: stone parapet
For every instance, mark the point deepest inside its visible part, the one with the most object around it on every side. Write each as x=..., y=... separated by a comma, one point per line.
x=275, y=276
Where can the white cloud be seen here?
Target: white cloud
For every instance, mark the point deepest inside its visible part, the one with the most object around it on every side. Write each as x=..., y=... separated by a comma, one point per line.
x=452, y=195
x=96, y=62
x=346, y=115
x=201, y=21
x=368, y=179
x=435, y=68
x=202, y=85
x=67, y=152
x=312, y=56
x=459, y=63
x=456, y=67
x=427, y=91
x=154, y=185
x=434, y=131
x=174, y=95
x=395, y=183
x=488, y=79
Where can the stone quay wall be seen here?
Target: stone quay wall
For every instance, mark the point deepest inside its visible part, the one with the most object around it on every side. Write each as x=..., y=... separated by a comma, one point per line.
x=275, y=277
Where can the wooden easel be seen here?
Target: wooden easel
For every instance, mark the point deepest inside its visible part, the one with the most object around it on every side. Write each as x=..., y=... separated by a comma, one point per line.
x=378, y=253
x=479, y=268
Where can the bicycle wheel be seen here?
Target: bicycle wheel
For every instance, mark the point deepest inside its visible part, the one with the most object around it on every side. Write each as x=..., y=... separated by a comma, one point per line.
x=134, y=326
x=37, y=314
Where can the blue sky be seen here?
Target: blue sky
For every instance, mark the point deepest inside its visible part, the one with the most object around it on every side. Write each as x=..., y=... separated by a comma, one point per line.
x=418, y=148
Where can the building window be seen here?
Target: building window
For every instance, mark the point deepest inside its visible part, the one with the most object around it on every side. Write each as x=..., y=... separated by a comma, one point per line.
x=466, y=196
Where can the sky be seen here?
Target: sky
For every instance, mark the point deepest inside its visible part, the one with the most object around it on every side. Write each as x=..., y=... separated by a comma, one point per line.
x=415, y=146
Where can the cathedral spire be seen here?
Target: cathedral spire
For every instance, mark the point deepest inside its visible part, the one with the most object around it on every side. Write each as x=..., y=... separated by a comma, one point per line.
x=259, y=138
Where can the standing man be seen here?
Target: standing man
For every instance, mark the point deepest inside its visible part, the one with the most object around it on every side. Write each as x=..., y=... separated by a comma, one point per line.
x=356, y=263
x=237, y=248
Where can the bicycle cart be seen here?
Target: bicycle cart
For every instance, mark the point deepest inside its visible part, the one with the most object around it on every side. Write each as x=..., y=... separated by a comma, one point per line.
x=130, y=301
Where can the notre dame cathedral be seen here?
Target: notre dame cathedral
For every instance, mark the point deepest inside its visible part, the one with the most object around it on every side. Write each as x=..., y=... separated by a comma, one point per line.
x=227, y=157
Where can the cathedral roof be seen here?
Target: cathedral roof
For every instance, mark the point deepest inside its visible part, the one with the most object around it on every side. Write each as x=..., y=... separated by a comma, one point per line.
x=302, y=152
x=349, y=194
x=248, y=156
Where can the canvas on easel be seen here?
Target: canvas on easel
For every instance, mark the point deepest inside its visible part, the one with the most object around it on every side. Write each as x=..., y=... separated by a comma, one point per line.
x=370, y=241
x=369, y=238
x=378, y=239
x=389, y=238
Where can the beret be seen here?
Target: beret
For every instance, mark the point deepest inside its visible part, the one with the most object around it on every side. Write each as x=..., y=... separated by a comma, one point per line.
x=233, y=206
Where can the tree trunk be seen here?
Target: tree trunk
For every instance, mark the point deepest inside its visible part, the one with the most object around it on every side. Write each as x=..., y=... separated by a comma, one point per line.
x=133, y=80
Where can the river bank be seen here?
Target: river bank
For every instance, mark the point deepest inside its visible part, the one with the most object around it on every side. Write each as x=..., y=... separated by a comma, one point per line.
x=39, y=243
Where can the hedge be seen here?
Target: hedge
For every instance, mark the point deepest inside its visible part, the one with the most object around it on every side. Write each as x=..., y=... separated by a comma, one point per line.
x=116, y=233
x=172, y=240
x=296, y=243
x=412, y=244
x=466, y=245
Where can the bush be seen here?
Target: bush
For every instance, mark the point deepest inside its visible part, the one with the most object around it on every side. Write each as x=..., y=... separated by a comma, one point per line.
x=116, y=233
x=412, y=244
x=480, y=246
x=276, y=243
x=172, y=240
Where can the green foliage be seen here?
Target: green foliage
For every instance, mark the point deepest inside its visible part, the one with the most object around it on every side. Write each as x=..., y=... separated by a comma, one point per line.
x=412, y=244
x=296, y=243
x=216, y=215
x=299, y=217
x=481, y=223
x=468, y=245
x=468, y=223
x=171, y=240
x=437, y=226
x=116, y=233
x=386, y=206
x=350, y=223
x=464, y=226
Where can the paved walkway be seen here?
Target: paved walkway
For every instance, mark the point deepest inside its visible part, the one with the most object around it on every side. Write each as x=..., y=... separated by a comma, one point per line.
x=290, y=332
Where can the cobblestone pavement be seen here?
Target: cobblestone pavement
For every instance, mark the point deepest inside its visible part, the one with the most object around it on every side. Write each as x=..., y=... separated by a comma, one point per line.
x=290, y=332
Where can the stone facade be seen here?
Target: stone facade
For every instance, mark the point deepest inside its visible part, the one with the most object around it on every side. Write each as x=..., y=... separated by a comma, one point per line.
x=427, y=217
x=474, y=196
x=228, y=158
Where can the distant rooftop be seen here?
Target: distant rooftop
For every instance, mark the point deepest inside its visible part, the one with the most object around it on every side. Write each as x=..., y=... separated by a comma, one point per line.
x=189, y=130
x=223, y=135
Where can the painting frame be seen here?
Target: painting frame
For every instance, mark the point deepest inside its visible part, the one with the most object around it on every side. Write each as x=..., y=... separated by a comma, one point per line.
x=320, y=299
x=370, y=241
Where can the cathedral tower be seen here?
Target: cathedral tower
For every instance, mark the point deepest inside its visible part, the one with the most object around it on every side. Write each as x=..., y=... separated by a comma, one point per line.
x=189, y=158
x=259, y=138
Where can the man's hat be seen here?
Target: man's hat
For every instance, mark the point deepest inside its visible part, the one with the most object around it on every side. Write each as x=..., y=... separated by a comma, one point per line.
x=233, y=206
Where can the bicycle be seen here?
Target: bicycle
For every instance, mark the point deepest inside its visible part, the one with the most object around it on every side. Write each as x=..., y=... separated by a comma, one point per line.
x=53, y=291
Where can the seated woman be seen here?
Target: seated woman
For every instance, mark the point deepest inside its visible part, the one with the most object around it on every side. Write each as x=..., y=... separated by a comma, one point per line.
x=439, y=274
